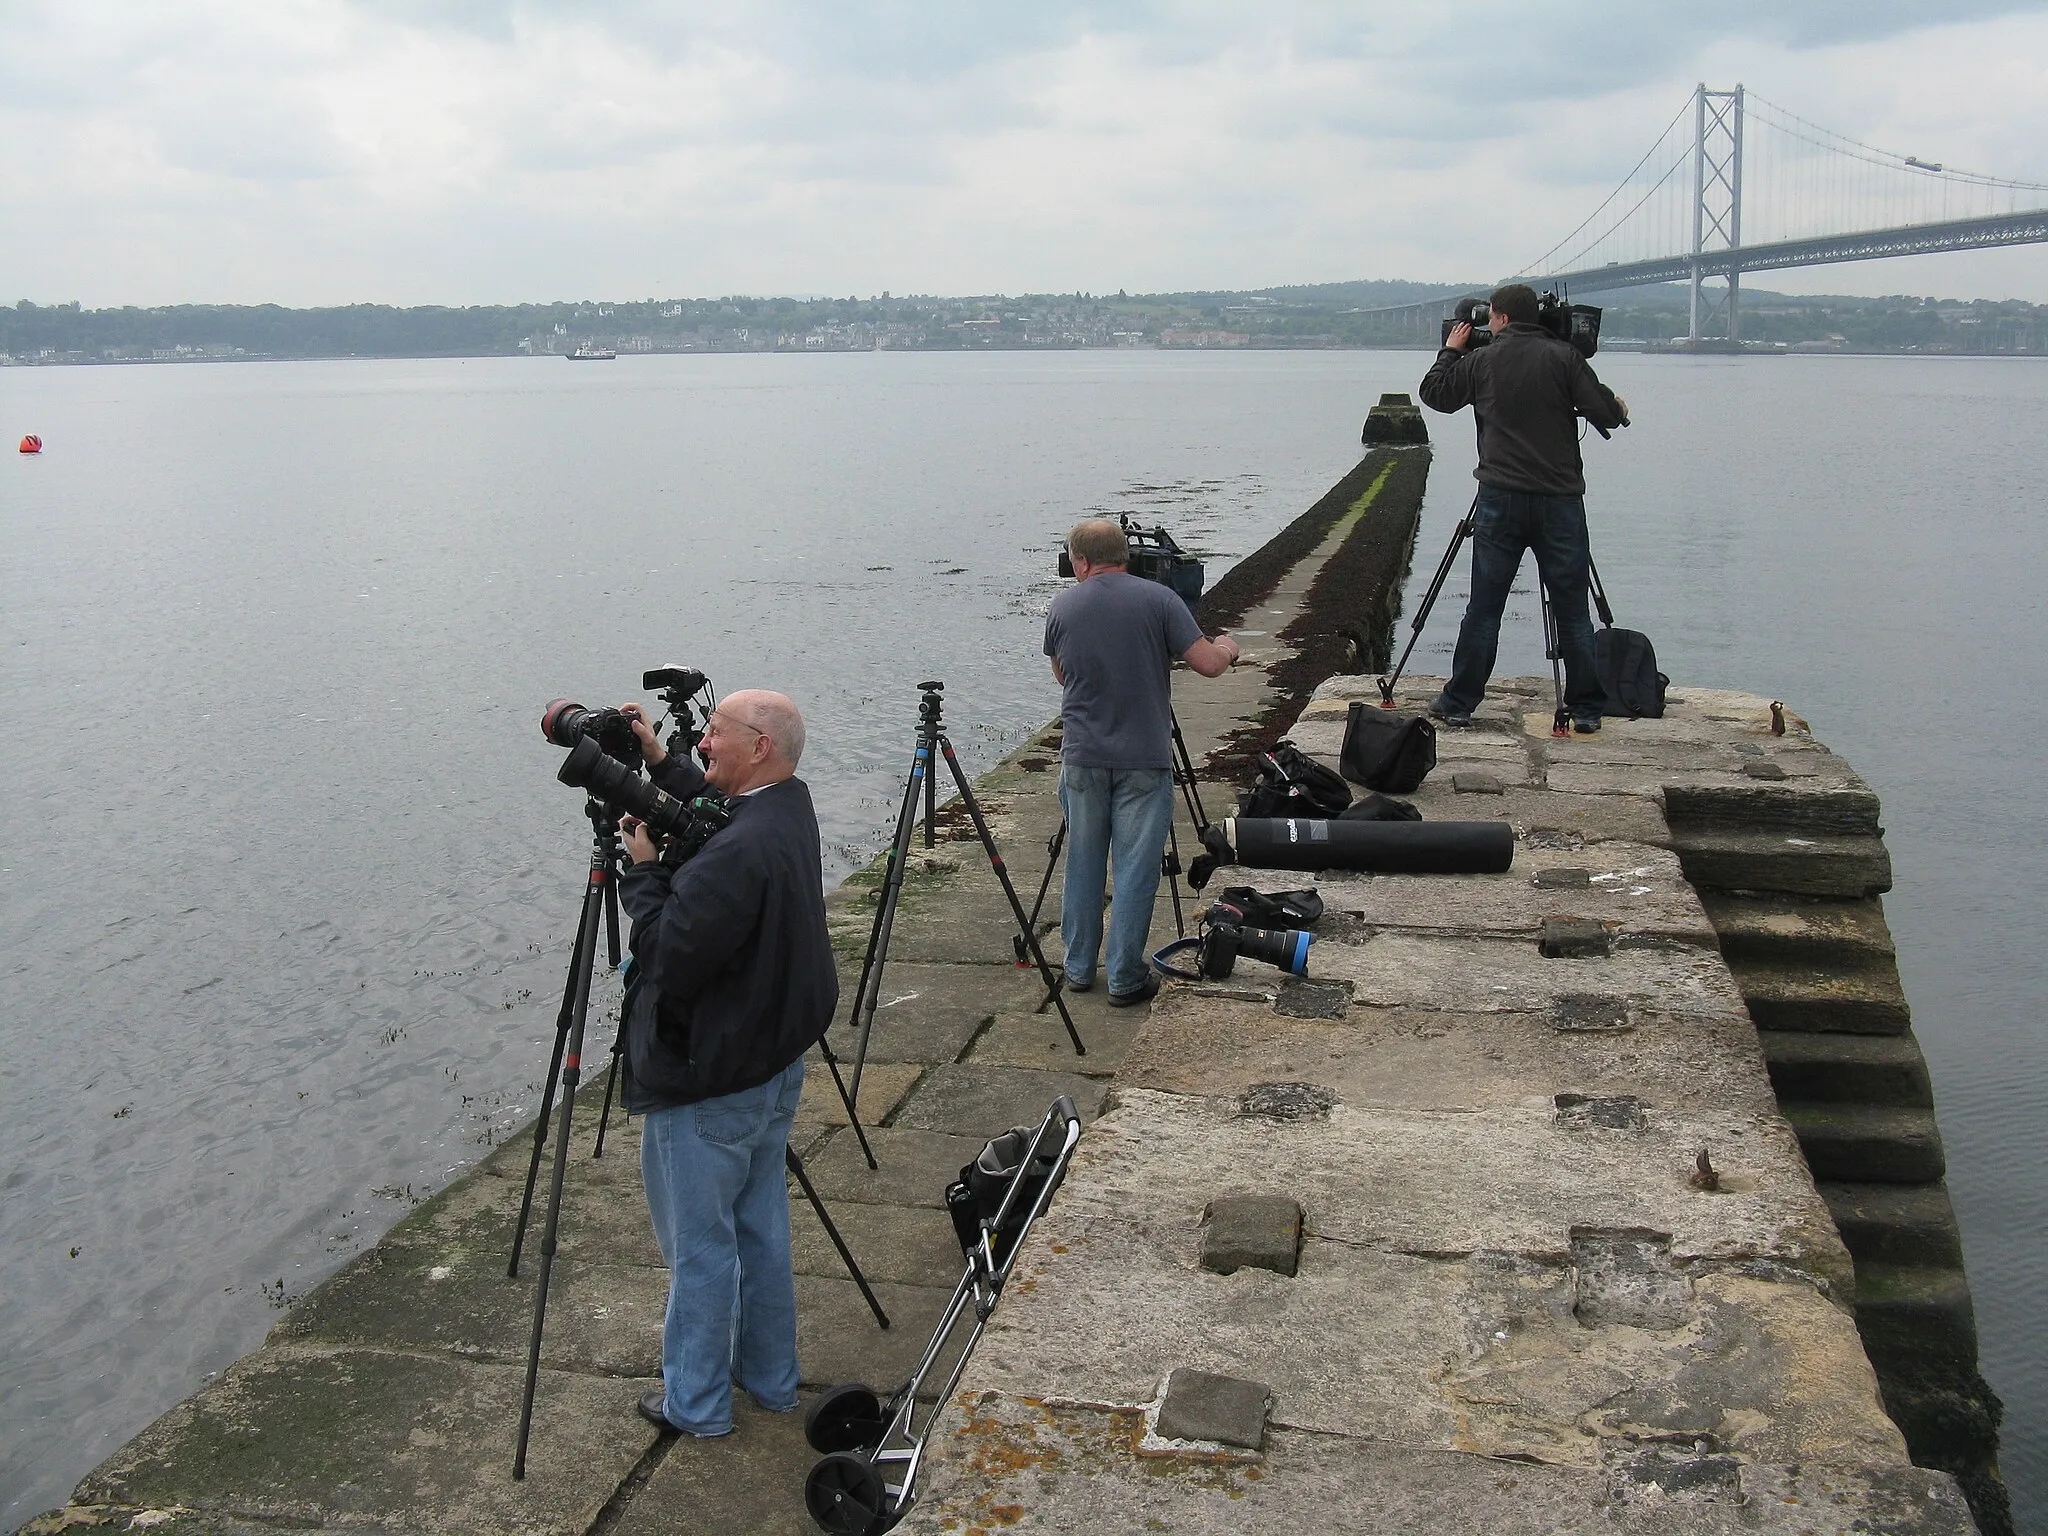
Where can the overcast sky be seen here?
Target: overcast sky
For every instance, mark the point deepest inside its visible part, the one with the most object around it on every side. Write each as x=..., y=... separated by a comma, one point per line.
x=491, y=151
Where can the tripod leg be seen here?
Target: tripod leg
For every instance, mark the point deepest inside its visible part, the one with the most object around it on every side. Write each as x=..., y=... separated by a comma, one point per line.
x=832, y=1062
x=931, y=810
x=1553, y=651
x=1436, y=586
x=572, y=1070
x=611, y=1071
x=899, y=848
x=1052, y=847
x=1055, y=981
x=796, y=1167
x=1184, y=771
x=584, y=929
x=885, y=916
x=1169, y=867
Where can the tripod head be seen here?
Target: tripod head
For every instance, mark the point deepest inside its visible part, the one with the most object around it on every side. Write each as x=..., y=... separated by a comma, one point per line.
x=931, y=706
x=679, y=686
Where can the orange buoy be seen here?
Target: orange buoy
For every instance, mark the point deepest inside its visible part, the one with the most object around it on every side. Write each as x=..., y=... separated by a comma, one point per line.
x=31, y=444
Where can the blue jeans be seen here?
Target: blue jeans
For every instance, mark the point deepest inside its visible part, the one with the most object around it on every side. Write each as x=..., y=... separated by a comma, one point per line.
x=1115, y=816
x=1504, y=524
x=719, y=1195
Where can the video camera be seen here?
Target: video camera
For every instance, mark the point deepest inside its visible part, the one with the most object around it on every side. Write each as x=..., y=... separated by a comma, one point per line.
x=605, y=760
x=1578, y=324
x=1156, y=556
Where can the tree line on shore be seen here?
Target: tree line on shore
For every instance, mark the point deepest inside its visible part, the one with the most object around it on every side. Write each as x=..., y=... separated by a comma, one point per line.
x=1322, y=315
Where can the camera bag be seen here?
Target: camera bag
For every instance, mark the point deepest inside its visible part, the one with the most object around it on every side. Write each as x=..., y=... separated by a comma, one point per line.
x=1626, y=664
x=1271, y=909
x=1291, y=783
x=1377, y=807
x=1387, y=752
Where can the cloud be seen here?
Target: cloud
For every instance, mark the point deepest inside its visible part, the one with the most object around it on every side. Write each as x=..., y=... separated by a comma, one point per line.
x=487, y=150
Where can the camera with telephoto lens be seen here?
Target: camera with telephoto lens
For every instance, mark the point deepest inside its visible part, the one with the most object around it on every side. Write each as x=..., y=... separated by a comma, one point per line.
x=565, y=723
x=1157, y=556
x=1220, y=945
x=684, y=825
x=1578, y=324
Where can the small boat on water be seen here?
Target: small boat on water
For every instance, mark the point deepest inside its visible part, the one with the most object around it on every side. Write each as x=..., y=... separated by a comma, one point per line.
x=589, y=354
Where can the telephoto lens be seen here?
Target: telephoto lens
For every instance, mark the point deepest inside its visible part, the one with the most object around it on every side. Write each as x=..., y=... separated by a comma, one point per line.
x=587, y=767
x=565, y=722
x=1218, y=950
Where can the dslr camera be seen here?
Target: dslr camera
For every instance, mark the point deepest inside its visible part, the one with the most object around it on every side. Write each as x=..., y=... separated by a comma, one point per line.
x=1578, y=324
x=605, y=761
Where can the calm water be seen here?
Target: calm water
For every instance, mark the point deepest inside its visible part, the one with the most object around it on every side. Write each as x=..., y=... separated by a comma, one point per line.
x=288, y=886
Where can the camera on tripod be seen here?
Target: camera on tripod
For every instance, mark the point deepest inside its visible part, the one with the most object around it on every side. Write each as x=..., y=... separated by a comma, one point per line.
x=1157, y=556
x=1578, y=324
x=605, y=761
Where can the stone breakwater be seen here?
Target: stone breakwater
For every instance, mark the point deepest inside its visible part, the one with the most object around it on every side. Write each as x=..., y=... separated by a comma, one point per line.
x=1424, y=1240
x=1496, y=1222
x=388, y=1398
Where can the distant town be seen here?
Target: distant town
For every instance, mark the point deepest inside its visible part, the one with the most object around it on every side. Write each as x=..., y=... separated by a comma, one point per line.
x=1324, y=315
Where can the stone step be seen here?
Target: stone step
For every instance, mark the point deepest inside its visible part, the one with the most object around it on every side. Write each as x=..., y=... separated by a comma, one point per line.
x=1909, y=1224
x=1868, y=1143
x=1858, y=1000
x=1803, y=863
x=1788, y=807
x=1770, y=926
x=1916, y=1318
x=1844, y=1068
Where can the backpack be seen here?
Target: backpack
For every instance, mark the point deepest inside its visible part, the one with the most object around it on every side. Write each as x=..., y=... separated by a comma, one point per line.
x=1626, y=664
x=1388, y=752
x=1291, y=783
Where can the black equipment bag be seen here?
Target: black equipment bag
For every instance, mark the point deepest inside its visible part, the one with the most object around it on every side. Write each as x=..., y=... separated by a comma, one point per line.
x=1272, y=909
x=1291, y=783
x=977, y=1195
x=1388, y=752
x=1376, y=807
x=1626, y=664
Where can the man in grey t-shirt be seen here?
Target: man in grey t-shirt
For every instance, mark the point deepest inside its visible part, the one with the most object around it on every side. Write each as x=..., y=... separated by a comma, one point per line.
x=1112, y=638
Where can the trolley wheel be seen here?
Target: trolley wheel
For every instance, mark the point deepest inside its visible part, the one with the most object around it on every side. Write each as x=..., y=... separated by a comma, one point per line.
x=845, y=1419
x=844, y=1495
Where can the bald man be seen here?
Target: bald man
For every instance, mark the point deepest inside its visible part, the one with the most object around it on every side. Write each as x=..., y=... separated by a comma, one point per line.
x=734, y=982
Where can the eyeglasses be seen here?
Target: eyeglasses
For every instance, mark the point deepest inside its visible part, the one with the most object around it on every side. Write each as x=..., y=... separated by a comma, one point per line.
x=721, y=719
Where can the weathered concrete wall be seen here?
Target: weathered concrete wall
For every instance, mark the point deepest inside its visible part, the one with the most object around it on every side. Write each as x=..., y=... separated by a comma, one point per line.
x=1561, y=1264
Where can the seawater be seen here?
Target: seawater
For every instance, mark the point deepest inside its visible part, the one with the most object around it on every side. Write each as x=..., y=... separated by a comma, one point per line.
x=288, y=885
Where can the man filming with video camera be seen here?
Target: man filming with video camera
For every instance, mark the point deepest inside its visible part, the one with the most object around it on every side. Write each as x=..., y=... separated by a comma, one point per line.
x=1528, y=387
x=735, y=981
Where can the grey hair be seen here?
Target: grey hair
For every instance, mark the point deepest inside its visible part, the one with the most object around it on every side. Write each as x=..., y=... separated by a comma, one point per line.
x=776, y=716
x=1099, y=542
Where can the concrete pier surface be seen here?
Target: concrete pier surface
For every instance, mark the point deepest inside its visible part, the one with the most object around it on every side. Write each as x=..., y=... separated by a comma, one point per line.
x=1424, y=1240
x=1561, y=1264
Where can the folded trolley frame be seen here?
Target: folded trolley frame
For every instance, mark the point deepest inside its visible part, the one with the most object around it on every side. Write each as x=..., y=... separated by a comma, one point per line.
x=872, y=1446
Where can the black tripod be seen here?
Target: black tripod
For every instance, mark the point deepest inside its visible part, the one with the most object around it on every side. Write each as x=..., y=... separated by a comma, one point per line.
x=601, y=904
x=932, y=740
x=1553, y=651
x=1169, y=861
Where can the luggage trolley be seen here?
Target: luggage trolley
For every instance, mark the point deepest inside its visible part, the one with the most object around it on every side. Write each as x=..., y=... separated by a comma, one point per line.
x=860, y=1435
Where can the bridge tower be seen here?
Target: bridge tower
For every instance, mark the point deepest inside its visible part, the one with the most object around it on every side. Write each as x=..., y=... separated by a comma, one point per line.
x=1716, y=191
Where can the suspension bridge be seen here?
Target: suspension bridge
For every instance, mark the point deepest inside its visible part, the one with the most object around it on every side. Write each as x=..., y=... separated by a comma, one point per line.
x=1738, y=184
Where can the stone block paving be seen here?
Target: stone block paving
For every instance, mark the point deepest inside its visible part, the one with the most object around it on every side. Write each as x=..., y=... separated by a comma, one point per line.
x=1516, y=1303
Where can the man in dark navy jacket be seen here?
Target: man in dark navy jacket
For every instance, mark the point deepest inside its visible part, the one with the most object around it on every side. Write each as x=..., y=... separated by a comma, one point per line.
x=735, y=982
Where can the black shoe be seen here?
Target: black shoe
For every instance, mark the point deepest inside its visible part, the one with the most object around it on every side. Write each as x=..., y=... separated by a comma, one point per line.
x=1439, y=710
x=651, y=1405
x=1589, y=726
x=1144, y=994
x=1079, y=986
